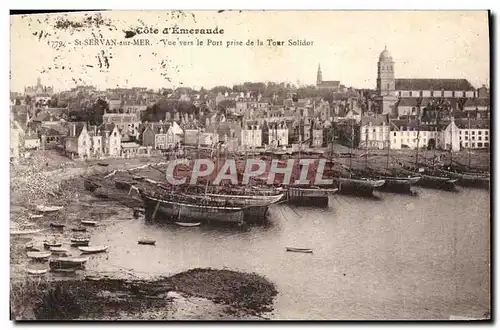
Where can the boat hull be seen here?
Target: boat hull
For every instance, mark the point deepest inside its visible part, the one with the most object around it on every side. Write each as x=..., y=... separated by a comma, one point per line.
x=434, y=182
x=309, y=196
x=467, y=179
x=162, y=210
x=358, y=187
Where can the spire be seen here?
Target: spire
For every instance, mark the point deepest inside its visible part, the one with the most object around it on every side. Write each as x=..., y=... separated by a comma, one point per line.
x=319, y=76
x=385, y=47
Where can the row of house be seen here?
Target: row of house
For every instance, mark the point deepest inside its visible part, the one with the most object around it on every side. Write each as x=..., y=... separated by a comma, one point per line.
x=457, y=134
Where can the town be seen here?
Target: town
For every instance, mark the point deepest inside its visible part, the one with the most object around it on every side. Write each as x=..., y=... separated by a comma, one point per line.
x=85, y=123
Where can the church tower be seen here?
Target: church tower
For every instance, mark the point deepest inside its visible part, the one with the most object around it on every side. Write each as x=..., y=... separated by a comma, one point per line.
x=319, y=76
x=386, y=83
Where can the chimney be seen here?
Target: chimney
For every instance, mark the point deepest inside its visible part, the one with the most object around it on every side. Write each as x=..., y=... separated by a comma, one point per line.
x=74, y=130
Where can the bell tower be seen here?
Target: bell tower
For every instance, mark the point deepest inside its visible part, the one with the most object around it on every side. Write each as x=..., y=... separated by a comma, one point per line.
x=319, y=76
x=386, y=83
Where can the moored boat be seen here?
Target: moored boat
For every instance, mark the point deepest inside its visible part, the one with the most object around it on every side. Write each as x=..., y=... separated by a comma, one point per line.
x=146, y=242
x=299, y=250
x=93, y=249
x=79, y=229
x=36, y=271
x=67, y=262
x=432, y=181
x=43, y=208
x=49, y=245
x=38, y=255
x=57, y=225
x=466, y=179
x=88, y=223
x=188, y=224
x=357, y=186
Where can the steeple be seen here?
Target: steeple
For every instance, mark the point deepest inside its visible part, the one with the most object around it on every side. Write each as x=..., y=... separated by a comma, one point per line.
x=319, y=76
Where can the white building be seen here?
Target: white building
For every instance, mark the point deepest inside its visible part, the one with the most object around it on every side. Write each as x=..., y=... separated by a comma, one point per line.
x=251, y=136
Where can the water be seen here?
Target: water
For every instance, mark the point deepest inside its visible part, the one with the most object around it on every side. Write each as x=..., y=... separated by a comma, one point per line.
x=401, y=257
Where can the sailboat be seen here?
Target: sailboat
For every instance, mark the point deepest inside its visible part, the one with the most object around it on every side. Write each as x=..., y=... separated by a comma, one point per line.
x=428, y=177
x=394, y=182
x=358, y=185
x=465, y=178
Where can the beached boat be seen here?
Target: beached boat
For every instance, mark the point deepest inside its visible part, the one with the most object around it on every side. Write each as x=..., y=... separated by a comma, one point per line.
x=38, y=255
x=35, y=216
x=57, y=225
x=357, y=186
x=93, y=249
x=29, y=245
x=88, y=223
x=43, y=208
x=67, y=262
x=48, y=244
x=146, y=242
x=102, y=164
x=80, y=239
x=24, y=232
x=466, y=179
x=188, y=224
x=299, y=250
x=36, y=271
x=79, y=229
x=64, y=270
x=90, y=185
x=58, y=250
x=431, y=181
x=198, y=210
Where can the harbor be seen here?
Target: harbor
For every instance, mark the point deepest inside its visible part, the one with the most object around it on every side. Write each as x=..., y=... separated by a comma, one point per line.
x=343, y=237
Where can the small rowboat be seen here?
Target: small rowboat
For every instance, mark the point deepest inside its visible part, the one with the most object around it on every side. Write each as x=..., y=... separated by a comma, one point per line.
x=188, y=224
x=58, y=250
x=93, y=249
x=24, y=232
x=43, y=208
x=48, y=244
x=36, y=271
x=146, y=242
x=81, y=229
x=88, y=223
x=300, y=250
x=29, y=245
x=35, y=216
x=102, y=164
x=64, y=270
x=67, y=262
x=38, y=255
x=57, y=225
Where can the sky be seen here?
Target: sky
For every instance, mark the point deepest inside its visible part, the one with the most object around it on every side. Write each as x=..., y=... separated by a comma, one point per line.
x=347, y=44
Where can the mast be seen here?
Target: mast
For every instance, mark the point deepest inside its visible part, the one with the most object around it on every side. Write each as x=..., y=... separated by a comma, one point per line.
x=388, y=141
x=351, y=151
x=366, y=146
x=468, y=144
x=418, y=137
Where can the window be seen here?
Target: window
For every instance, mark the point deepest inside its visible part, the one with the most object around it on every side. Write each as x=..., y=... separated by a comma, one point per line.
x=460, y=132
x=486, y=132
x=114, y=134
x=478, y=132
x=485, y=138
x=466, y=138
x=473, y=138
x=394, y=133
x=479, y=145
x=479, y=138
x=466, y=132
x=473, y=144
x=473, y=132
x=486, y=144
x=374, y=130
x=466, y=144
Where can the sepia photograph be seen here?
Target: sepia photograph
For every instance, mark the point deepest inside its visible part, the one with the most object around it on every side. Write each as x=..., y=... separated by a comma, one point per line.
x=263, y=165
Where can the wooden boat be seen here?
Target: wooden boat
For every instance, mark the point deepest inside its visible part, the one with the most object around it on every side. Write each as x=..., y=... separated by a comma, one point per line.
x=79, y=229
x=43, y=208
x=240, y=200
x=357, y=186
x=64, y=270
x=188, y=224
x=299, y=250
x=24, y=232
x=80, y=240
x=35, y=216
x=466, y=179
x=88, y=223
x=29, y=245
x=48, y=244
x=67, y=262
x=146, y=242
x=123, y=184
x=36, y=271
x=58, y=250
x=38, y=255
x=93, y=249
x=57, y=225
x=102, y=164
x=194, y=209
x=432, y=181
